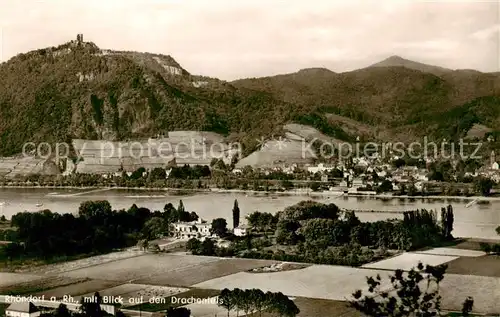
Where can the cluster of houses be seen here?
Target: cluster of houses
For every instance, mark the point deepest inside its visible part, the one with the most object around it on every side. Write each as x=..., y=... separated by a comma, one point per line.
x=370, y=166
x=374, y=171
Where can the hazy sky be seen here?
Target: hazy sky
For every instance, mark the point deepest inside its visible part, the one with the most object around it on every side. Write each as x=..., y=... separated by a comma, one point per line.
x=231, y=39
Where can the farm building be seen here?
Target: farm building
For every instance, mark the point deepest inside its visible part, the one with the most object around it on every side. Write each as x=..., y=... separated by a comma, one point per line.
x=22, y=309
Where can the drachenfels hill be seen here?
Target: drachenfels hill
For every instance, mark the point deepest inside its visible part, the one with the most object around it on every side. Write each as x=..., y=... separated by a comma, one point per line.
x=77, y=90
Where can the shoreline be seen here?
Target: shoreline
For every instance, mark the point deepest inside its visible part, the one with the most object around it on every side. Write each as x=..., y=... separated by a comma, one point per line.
x=308, y=193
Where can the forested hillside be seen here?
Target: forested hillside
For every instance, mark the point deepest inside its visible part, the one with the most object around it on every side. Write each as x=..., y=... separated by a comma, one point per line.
x=399, y=98
x=78, y=90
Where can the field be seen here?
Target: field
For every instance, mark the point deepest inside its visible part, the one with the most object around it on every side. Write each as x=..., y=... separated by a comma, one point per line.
x=407, y=261
x=488, y=265
x=167, y=269
x=7, y=279
x=90, y=286
x=142, y=267
x=83, y=263
x=319, y=307
x=316, y=281
x=38, y=285
x=485, y=291
x=453, y=252
x=188, y=276
x=472, y=244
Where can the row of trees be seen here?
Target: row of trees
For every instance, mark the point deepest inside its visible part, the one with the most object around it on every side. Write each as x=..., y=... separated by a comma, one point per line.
x=95, y=229
x=256, y=301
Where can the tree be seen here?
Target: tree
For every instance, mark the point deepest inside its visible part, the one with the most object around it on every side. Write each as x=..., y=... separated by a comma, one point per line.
x=92, y=308
x=286, y=232
x=385, y=186
x=236, y=296
x=414, y=294
x=226, y=300
x=178, y=312
x=447, y=219
x=314, y=186
x=143, y=244
x=246, y=301
x=208, y=247
x=181, y=208
x=94, y=209
x=259, y=300
x=219, y=227
x=467, y=306
x=236, y=214
x=62, y=311
x=398, y=162
x=193, y=245
x=154, y=228
x=483, y=186
x=137, y=174
x=158, y=173
x=262, y=221
x=284, y=306
x=320, y=232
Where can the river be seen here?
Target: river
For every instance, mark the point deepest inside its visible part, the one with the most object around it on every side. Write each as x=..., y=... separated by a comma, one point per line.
x=477, y=221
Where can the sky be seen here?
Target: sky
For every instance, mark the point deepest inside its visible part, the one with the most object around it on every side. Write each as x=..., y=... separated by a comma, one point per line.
x=231, y=39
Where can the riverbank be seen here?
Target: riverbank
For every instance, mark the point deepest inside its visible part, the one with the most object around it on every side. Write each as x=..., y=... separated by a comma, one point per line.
x=305, y=193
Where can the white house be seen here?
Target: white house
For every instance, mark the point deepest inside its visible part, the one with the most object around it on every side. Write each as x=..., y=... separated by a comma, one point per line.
x=194, y=229
x=22, y=309
x=241, y=231
x=494, y=166
x=382, y=174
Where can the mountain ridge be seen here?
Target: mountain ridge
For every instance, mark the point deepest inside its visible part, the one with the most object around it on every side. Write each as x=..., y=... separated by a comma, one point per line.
x=77, y=90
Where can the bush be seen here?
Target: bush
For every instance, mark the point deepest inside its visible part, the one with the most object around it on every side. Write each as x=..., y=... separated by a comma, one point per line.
x=485, y=247
x=496, y=248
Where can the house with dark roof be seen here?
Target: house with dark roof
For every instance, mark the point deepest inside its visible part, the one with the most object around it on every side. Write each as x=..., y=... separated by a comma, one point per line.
x=22, y=309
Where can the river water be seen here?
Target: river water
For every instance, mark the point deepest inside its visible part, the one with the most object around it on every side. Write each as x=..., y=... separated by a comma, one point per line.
x=477, y=221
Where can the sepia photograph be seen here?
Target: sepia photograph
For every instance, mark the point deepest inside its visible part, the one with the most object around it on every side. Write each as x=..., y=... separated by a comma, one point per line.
x=324, y=158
